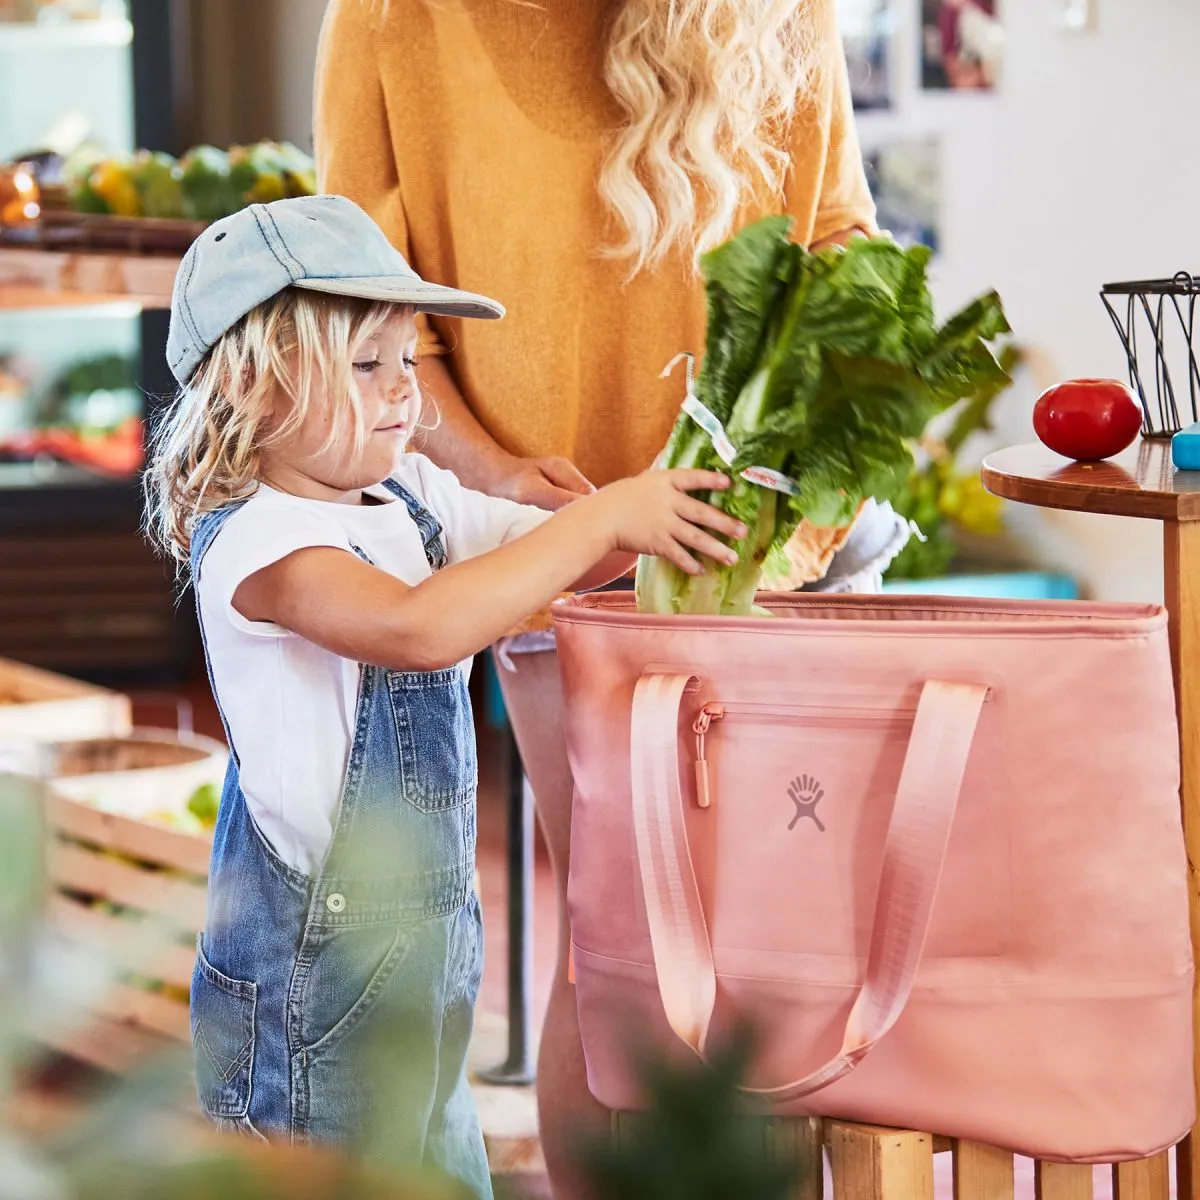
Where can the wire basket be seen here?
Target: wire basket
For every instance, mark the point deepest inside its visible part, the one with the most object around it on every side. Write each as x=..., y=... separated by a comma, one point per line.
x=1156, y=321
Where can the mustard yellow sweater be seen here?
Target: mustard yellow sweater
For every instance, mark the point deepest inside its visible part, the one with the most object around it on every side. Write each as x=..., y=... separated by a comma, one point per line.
x=473, y=132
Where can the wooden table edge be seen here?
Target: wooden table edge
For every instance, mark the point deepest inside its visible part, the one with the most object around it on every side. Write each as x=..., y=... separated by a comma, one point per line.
x=1104, y=499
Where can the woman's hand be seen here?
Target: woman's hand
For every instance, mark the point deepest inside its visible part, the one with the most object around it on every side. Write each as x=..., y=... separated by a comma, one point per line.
x=654, y=514
x=459, y=443
x=549, y=483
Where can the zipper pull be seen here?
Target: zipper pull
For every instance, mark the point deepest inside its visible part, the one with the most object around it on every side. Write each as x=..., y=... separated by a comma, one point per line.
x=704, y=719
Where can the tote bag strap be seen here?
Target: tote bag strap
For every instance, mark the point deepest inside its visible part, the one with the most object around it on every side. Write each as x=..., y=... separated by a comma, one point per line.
x=934, y=766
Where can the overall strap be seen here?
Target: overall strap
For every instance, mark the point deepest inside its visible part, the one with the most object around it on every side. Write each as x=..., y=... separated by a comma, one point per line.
x=428, y=524
x=204, y=532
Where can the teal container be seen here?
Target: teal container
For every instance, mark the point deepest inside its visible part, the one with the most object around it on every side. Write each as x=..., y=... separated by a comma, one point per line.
x=1004, y=585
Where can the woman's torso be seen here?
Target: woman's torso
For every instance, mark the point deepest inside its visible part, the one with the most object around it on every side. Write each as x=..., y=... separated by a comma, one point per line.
x=500, y=118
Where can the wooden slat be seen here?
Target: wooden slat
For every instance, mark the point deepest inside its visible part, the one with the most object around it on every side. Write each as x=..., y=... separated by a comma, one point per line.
x=1185, y=1168
x=1062, y=1181
x=982, y=1172
x=137, y=839
x=29, y=684
x=134, y=946
x=150, y=1011
x=108, y=1045
x=1147, y=1179
x=870, y=1163
x=93, y=874
x=37, y=705
x=799, y=1142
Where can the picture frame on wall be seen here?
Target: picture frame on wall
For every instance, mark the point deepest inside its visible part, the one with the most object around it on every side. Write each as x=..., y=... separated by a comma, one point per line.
x=962, y=45
x=866, y=27
x=905, y=177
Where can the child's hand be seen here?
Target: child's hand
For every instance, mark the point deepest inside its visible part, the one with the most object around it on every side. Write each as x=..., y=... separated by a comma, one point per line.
x=653, y=514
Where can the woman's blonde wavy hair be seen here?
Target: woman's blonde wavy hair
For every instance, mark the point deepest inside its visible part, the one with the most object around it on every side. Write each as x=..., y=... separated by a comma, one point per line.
x=300, y=346
x=708, y=89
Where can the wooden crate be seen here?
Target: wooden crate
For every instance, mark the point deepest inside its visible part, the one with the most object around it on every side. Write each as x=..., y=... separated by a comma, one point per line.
x=134, y=893
x=144, y=773
x=37, y=706
x=869, y=1162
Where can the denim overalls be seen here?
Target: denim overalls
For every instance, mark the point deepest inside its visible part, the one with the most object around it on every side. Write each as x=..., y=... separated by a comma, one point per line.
x=297, y=977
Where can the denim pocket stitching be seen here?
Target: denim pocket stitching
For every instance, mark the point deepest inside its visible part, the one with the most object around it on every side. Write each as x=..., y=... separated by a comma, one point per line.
x=401, y=686
x=234, y=1065
x=226, y=1068
x=362, y=1006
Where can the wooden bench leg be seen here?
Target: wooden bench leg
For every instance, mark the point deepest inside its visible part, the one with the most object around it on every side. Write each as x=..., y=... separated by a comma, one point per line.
x=799, y=1142
x=1147, y=1179
x=982, y=1172
x=1059, y=1181
x=871, y=1163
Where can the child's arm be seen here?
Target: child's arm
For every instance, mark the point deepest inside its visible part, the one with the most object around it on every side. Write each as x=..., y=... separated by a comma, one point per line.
x=350, y=608
x=612, y=566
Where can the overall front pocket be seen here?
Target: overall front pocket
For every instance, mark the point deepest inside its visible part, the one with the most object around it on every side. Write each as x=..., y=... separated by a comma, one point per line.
x=222, y=1013
x=436, y=738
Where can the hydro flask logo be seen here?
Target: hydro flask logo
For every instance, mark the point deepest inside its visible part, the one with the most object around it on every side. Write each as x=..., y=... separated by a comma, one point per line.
x=806, y=793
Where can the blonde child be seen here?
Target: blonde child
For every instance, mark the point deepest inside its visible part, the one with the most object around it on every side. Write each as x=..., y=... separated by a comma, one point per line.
x=342, y=584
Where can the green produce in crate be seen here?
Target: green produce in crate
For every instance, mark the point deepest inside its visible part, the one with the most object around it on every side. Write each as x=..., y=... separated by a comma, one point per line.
x=109, y=189
x=77, y=172
x=85, y=198
x=207, y=190
x=270, y=171
x=299, y=170
x=158, y=180
x=203, y=804
x=256, y=173
x=821, y=368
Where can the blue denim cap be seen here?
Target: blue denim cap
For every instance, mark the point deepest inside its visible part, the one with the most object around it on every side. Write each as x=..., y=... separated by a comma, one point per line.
x=323, y=243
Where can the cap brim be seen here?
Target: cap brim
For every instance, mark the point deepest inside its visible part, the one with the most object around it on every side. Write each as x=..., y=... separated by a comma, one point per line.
x=399, y=289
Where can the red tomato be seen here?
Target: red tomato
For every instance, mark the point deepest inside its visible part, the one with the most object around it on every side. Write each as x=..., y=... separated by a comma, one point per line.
x=1087, y=419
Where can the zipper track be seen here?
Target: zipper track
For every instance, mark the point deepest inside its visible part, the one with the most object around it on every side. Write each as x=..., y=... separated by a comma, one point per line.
x=783, y=714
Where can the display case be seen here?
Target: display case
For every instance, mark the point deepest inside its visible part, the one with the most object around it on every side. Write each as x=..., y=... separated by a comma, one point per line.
x=82, y=364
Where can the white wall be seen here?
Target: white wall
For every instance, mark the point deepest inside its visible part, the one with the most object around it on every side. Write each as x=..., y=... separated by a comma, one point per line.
x=1083, y=168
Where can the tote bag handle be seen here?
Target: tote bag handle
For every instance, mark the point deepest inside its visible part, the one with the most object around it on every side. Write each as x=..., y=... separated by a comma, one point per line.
x=935, y=763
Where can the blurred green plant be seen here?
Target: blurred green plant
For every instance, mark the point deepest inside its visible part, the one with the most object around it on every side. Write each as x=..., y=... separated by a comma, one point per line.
x=132, y=1139
x=698, y=1139
x=942, y=498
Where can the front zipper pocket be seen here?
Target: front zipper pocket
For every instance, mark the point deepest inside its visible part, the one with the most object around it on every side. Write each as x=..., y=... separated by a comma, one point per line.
x=716, y=711
x=787, y=817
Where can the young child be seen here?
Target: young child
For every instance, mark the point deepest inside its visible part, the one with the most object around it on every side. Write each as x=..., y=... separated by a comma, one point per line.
x=342, y=584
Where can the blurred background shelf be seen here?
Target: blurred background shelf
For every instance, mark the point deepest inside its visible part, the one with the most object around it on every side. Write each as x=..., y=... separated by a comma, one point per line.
x=64, y=35
x=48, y=278
x=82, y=362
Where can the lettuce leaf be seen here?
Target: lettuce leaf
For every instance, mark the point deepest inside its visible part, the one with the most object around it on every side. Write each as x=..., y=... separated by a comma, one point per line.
x=825, y=367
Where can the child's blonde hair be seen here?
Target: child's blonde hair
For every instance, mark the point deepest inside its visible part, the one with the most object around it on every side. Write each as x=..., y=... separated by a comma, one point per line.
x=208, y=449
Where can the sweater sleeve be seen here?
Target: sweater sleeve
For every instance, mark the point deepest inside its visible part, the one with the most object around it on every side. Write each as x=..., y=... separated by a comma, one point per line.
x=352, y=135
x=843, y=200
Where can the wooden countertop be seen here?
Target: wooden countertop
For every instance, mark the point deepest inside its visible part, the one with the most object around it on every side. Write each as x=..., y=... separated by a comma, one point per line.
x=1141, y=482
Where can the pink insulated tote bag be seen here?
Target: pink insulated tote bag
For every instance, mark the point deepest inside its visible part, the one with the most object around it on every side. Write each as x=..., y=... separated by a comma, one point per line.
x=932, y=849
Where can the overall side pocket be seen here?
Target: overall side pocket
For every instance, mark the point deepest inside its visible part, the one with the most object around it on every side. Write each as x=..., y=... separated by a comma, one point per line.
x=222, y=1014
